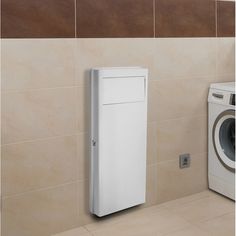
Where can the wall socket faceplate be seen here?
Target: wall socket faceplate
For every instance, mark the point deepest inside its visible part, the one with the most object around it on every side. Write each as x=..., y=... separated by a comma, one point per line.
x=184, y=160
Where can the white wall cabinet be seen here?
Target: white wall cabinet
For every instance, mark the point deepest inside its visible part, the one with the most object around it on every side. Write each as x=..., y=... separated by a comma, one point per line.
x=118, y=139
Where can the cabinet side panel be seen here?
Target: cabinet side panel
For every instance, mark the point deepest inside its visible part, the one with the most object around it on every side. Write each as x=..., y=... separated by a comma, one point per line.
x=94, y=143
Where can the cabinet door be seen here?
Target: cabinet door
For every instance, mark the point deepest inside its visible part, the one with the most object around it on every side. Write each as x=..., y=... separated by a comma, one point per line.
x=122, y=156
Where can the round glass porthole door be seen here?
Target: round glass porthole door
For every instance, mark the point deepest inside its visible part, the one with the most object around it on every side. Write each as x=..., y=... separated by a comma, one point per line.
x=224, y=138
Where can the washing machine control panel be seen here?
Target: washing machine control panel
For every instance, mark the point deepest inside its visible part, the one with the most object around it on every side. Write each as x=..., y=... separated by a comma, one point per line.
x=221, y=97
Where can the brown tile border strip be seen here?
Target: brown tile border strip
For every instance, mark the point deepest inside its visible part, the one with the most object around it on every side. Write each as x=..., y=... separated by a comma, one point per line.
x=38, y=18
x=185, y=18
x=225, y=19
x=116, y=18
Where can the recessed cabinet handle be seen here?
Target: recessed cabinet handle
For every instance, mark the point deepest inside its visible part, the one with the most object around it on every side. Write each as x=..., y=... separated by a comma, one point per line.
x=93, y=143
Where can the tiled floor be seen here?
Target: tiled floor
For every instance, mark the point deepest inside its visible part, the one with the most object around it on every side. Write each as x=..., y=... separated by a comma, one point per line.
x=202, y=214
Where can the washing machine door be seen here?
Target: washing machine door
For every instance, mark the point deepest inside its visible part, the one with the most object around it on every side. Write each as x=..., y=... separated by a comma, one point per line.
x=224, y=138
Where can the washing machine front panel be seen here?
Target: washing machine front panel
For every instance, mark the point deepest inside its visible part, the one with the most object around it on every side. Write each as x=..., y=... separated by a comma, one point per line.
x=223, y=136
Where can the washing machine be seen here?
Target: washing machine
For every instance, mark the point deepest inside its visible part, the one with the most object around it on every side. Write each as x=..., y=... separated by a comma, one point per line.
x=221, y=138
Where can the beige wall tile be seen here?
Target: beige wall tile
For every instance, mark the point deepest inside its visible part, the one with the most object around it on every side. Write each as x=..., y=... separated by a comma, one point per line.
x=179, y=136
x=173, y=182
x=225, y=78
x=112, y=52
x=151, y=143
x=180, y=73
x=83, y=108
x=187, y=199
x=39, y=164
x=226, y=56
x=37, y=63
x=169, y=99
x=151, y=185
x=40, y=213
x=3, y=116
x=83, y=156
x=39, y=114
x=184, y=57
x=85, y=216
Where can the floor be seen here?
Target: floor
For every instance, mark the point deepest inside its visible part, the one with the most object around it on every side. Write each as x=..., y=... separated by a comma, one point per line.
x=202, y=214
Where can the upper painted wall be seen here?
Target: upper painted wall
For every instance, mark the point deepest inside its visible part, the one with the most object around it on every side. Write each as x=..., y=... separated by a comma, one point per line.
x=113, y=18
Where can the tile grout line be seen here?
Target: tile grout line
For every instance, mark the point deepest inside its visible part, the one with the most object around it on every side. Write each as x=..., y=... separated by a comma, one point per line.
x=165, y=78
x=40, y=89
x=190, y=201
x=154, y=18
x=216, y=46
x=216, y=18
x=75, y=18
x=195, y=223
x=213, y=218
x=169, y=209
x=90, y=232
x=44, y=139
x=185, y=77
x=197, y=226
x=85, y=132
x=178, y=229
x=42, y=189
x=178, y=118
x=191, y=224
x=161, y=162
